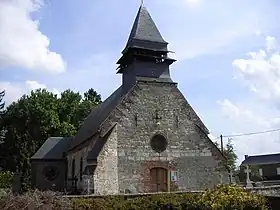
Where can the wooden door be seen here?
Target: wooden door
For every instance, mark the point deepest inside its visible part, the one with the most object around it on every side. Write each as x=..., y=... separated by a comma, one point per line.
x=159, y=179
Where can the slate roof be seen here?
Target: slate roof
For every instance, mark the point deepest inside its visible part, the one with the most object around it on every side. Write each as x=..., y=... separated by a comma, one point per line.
x=144, y=33
x=98, y=115
x=53, y=148
x=98, y=145
x=262, y=159
x=144, y=28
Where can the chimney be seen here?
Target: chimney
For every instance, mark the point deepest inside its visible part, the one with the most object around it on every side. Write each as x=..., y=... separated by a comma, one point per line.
x=246, y=156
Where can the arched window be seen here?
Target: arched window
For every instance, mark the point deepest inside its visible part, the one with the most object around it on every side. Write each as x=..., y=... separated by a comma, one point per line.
x=158, y=143
x=73, y=169
x=159, y=179
x=81, y=168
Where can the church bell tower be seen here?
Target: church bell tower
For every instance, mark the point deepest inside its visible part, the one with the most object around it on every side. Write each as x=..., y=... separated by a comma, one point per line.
x=145, y=56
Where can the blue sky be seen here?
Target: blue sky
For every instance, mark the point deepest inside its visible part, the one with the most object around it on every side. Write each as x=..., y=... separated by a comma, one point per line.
x=228, y=64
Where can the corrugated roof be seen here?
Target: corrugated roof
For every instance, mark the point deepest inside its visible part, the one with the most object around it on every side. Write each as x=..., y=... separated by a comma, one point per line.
x=92, y=123
x=53, y=148
x=262, y=159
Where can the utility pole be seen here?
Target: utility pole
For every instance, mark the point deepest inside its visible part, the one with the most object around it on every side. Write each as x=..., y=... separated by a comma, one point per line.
x=222, y=144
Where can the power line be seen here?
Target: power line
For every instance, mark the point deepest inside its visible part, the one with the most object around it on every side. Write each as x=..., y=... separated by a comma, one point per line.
x=253, y=133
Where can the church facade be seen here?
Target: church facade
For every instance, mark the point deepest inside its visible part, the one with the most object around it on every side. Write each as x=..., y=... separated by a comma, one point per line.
x=145, y=137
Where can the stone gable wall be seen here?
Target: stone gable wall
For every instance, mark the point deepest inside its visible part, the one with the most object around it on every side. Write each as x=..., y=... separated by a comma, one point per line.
x=197, y=161
x=126, y=159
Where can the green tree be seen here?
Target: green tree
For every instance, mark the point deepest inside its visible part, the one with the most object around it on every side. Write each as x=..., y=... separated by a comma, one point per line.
x=93, y=96
x=230, y=154
x=35, y=117
x=231, y=157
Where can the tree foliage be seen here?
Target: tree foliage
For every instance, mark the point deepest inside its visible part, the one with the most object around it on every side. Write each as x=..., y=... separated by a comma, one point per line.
x=230, y=154
x=5, y=179
x=231, y=157
x=35, y=117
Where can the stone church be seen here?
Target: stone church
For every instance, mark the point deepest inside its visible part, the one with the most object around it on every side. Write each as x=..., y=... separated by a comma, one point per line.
x=145, y=137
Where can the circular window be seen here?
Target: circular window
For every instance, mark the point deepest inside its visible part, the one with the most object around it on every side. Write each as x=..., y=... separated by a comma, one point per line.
x=159, y=143
x=51, y=173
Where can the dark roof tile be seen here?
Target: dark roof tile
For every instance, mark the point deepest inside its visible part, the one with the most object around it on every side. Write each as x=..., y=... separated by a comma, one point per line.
x=262, y=159
x=98, y=115
x=144, y=28
x=98, y=145
x=53, y=148
x=145, y=34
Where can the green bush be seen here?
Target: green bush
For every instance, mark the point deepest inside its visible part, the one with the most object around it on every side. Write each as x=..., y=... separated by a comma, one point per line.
x=219, y=198
x=34, y=200
x=232, y=197
x=6, y=178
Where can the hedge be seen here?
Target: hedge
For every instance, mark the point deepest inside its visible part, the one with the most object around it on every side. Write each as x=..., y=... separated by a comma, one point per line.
x=219, y=198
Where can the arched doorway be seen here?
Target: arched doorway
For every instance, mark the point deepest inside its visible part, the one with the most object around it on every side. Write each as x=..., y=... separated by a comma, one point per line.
x=159, y=179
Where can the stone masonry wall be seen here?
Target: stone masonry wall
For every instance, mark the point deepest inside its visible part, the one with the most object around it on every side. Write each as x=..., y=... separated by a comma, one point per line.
x=189, y=152
x=106, y=172
x=77, y=155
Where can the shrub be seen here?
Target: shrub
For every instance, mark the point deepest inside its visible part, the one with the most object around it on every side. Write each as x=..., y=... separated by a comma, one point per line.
x=4, y=192
x=35, y=200
x=232, y=197
x=219, y=198
x=6, y=178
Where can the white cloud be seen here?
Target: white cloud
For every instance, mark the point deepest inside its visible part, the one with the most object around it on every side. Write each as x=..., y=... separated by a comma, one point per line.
x=208, y=29
x=193, y=3
x=271, y=43
x=33, y=85
x=260, y=71
x=244, y=120
x=237, y=112
x=21, y=42
x=13, y=91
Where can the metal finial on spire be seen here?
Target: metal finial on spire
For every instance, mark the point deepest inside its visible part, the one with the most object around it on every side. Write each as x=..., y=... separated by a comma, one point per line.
x=142, y=2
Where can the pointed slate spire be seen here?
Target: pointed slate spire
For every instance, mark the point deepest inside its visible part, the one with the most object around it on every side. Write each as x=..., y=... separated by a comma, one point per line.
x=145, y=34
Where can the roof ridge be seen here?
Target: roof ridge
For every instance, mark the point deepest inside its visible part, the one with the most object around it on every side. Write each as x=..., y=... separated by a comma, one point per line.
x=120, y=101
x=263, y=155
x=98, y=116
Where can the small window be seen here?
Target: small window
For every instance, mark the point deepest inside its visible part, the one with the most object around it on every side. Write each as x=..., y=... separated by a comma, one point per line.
x=174, y=176
x=278, y=171
x=260, y=172
x=73, y=168
x=81, y=168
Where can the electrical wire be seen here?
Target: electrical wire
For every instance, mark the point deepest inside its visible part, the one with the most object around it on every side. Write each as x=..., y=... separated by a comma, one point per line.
x=253, y=133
